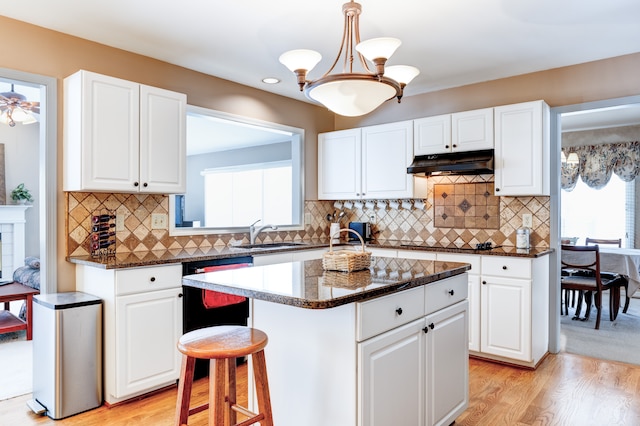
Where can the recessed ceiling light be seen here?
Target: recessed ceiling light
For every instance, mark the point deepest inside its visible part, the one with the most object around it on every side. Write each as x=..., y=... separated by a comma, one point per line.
x=271, y=80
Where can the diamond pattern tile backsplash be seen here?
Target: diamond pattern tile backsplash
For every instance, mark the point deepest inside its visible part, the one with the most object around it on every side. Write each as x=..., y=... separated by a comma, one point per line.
x=473, y=221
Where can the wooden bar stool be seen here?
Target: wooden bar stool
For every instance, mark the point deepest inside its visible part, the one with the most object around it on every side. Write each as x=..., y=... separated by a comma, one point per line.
x=222, y=345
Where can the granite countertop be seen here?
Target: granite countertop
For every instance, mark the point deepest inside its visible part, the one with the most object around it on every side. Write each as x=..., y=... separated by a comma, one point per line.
x=162, y=257
x=311, y=287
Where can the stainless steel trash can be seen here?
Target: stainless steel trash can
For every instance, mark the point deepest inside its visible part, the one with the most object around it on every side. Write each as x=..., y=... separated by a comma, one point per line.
x=67, y=353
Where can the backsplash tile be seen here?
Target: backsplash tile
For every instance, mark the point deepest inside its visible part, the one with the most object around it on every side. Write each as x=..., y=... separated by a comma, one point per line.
x=412, y=225
x=466, y=205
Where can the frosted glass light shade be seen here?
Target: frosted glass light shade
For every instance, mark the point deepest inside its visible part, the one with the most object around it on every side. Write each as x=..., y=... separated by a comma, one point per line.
x=382, y=47
x=403, y=74
x=300, y=59
x=352, y=97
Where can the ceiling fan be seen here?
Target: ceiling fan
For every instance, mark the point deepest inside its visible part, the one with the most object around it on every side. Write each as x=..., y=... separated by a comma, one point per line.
x=15, y=107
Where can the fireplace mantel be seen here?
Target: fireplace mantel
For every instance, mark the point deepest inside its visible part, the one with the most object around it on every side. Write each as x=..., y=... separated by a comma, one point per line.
x=12, y=228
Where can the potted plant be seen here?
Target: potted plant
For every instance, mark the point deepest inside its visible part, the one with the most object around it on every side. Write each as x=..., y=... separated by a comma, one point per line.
x=21, y=194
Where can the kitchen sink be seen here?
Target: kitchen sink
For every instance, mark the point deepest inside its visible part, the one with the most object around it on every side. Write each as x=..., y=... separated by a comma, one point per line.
x=269, y=245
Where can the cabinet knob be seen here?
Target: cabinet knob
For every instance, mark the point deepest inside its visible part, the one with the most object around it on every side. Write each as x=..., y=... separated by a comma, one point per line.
x=497, y=189
x=152, y=279
x=135, y=184
x=145, y=184
x=455, y=146
x=430, y=326
x=180, y=295
x=426, y=329
x=446, y=146
x=399, y=311
x=484, y=282
x=451, y=292
x=504, y=267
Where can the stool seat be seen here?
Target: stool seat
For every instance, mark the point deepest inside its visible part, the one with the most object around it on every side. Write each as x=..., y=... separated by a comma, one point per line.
x=221, y=345
x=222, y=342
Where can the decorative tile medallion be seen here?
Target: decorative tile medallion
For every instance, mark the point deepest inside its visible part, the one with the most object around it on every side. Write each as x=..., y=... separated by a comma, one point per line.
x=467, y=205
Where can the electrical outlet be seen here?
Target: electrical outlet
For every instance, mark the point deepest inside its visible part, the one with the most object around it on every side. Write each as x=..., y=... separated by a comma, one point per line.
x=527, y=220
x=119, y=222
x=307, y=218
x=158, y=221
x=372, y=218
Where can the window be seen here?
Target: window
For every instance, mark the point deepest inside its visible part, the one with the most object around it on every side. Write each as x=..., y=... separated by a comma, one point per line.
x=608, y=212
x=238, y=196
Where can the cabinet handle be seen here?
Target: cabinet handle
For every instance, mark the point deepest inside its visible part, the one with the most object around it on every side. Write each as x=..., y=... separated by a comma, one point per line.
x=135, y=184
x=484, y=282
x=399, y=311
x=426, y=329
x=180, y=295
x=451, y=292
x=152, y=279
x=504, y=267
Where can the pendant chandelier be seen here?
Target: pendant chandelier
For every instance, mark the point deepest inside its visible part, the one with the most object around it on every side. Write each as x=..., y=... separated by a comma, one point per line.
x=14, y=108
x=353, y=93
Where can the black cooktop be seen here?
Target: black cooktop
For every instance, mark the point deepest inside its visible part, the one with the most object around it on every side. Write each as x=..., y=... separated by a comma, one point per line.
x=477, y=247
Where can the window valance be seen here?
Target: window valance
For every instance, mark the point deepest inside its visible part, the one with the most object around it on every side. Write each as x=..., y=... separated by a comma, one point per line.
x=595, y=164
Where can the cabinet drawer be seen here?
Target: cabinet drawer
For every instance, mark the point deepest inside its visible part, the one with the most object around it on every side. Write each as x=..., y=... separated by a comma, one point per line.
x=513, y=267
x=382, y=314
x=138, y=280
x=446, y=292
x=473, y=259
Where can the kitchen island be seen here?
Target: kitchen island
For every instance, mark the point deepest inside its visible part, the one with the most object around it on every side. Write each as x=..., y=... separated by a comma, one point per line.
x=383, y=346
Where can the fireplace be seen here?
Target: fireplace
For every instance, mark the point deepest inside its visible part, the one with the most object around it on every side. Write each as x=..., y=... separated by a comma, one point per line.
x=12, y=239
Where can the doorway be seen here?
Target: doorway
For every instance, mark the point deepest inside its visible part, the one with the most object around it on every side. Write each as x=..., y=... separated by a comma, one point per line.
x=555, y=205
x=45, y=183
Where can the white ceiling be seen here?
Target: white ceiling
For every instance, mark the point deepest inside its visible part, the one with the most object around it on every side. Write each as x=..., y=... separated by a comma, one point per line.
x=452, y=42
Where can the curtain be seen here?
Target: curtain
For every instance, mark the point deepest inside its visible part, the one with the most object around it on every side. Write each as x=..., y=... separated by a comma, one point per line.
x=597, y=162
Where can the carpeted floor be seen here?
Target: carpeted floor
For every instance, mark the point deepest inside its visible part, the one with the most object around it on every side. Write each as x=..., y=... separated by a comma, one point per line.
x=617, y=340
x=16, y=355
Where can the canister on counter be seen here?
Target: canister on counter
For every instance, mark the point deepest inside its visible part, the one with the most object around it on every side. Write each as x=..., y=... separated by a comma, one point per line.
x=522, y=238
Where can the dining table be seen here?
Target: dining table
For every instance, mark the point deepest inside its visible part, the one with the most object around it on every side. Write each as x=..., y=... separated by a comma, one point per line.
x=624, y=261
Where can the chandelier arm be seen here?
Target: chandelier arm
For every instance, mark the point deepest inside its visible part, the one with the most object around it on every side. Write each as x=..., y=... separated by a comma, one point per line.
x=342, y=42
x=363, y=61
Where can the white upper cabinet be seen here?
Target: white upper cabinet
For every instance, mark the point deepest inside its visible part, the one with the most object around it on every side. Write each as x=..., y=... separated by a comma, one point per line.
x=472, y=130
x=367, y=163
x=432, y=135
x=522, y=149
x=121, y=136
x=461, y=131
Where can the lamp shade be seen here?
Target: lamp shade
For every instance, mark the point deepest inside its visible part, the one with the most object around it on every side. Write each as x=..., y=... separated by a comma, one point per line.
x=351, y=97
x=403, y=74
x=381, y=47
x=300, y=59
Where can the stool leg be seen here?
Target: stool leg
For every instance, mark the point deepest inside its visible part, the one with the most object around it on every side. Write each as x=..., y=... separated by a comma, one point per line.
x=231, y=390
x=216, y=392
x=262, y=388
x=184, y=390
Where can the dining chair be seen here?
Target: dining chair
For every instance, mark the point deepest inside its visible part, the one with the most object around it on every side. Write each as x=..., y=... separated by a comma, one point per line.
x=618, y=242
x=580, y=267
x=600, y=241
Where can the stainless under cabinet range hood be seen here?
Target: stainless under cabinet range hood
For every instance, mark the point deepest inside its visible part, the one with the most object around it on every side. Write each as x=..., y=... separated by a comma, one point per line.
x=454, y=163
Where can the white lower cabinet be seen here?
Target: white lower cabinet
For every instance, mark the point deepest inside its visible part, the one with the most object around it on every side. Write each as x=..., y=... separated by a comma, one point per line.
x=508, y=305
x=142, y=323
x=416, y=373
x=400, y=359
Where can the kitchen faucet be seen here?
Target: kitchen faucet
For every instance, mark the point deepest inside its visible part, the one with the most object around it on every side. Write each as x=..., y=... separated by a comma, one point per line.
x=253, y=232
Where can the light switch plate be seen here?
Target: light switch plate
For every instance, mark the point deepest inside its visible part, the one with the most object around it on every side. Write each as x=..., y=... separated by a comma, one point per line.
x=527, y=220
x=158, y=221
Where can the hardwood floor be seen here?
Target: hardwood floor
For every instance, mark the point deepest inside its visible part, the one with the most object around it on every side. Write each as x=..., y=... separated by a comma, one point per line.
x=566, y=389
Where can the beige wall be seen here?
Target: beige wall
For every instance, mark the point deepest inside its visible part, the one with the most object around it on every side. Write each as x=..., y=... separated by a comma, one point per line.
x=40, y=51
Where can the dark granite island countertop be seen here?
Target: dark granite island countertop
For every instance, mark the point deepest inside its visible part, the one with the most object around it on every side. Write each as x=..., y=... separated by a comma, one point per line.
x=305, y=284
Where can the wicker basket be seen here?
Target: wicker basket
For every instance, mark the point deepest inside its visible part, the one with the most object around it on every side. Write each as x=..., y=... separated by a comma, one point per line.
x=347, y=280
x=346, y=260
